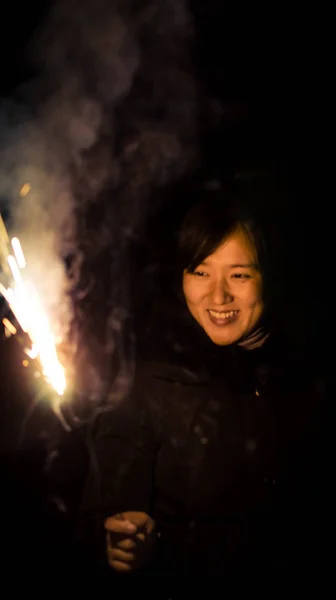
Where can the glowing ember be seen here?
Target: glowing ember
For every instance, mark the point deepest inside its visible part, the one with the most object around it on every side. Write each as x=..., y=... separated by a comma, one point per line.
x=25, y=190
x=25, y=304
x=9, y=326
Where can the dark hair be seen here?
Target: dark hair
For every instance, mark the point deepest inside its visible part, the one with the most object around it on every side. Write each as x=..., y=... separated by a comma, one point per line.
x=205, y=227
x=214, y=218
x=190, y=229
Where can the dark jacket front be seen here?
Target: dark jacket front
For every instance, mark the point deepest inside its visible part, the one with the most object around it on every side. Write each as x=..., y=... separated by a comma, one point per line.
x=229, y=458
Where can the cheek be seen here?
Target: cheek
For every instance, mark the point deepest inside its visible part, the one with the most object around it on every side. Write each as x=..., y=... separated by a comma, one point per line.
x=191, y=291
x=251, y=297
x=185, y=289
x=257, y=303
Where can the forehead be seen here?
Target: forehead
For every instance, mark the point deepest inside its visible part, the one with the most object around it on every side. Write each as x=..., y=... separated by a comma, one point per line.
x=236, y=249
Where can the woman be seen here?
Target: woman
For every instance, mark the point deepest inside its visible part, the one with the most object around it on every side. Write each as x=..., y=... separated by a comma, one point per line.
x=203, y=468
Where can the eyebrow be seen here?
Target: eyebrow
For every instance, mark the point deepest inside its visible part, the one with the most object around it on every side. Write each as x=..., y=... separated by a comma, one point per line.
x=244, y=266
x=238, y=265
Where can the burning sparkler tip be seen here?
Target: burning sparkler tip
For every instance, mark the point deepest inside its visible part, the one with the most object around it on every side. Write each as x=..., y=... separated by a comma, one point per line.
x=25, y=304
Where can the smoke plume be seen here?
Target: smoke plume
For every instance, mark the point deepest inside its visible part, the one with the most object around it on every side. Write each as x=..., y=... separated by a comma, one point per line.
x=110, y=121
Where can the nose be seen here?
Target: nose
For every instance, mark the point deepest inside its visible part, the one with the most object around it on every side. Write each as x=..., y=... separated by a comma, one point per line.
x=220, y=294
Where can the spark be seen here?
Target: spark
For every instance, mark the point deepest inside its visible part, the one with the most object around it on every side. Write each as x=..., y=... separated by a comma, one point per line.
x=4, y=242
x=9, y=326
x=3, y=232
x=26, y=306
x=18, y=253
x=25, y=190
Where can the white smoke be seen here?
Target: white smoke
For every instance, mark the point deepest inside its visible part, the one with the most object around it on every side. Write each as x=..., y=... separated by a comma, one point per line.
x=111, y=117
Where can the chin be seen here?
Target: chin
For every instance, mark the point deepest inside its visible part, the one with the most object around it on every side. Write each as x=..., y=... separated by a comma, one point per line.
x=222, y=342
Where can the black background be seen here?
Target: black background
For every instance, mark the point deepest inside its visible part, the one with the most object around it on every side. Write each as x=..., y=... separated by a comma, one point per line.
x=270, y=73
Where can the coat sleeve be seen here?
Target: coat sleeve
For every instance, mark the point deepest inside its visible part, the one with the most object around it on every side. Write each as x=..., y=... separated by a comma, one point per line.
x=123, y=454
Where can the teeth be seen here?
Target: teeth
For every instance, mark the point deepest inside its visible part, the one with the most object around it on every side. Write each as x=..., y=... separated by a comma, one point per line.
x=223, y=315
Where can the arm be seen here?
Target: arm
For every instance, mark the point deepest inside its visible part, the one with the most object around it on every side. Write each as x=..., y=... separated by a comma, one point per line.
x=121, y=477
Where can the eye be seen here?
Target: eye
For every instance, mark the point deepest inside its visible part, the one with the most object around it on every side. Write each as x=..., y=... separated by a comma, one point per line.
x=241, y=276
x=199, y=273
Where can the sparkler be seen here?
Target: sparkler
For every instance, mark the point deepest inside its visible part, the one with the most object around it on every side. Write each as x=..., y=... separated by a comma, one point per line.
x=25, y=304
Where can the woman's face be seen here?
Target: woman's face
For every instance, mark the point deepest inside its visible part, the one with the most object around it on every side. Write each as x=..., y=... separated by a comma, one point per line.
x=224, y=292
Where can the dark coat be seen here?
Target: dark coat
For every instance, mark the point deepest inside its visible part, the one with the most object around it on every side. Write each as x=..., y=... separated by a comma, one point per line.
x=228, y=453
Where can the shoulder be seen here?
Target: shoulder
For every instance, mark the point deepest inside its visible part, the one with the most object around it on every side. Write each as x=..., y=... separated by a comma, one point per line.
x=301, y=383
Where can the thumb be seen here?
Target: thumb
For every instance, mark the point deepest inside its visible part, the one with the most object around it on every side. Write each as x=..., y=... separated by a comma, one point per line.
x=149, y=525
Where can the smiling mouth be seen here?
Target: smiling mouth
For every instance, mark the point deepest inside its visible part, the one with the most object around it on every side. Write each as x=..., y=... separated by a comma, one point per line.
x=223, y=317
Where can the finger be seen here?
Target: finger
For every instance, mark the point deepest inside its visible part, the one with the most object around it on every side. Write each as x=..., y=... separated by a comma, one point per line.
x=119, y=526
x=118, y=566
x=145, y=531
x=120, y=555
x=149, y=526
x=114, y=541
x=126, y=544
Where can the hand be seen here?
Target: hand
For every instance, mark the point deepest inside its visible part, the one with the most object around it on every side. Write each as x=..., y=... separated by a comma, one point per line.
x=129, y=540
